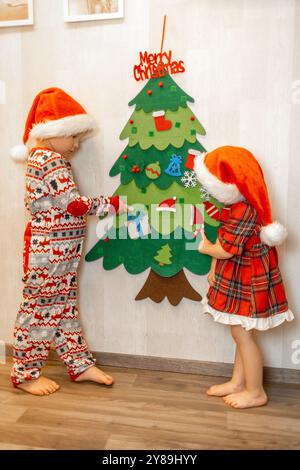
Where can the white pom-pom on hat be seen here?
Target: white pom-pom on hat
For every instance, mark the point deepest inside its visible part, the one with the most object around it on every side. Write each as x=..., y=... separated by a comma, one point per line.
x=19, y=153
x=273, y=234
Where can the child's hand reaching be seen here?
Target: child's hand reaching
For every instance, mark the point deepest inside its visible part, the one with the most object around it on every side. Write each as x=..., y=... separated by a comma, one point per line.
x=204, y=245
x=122, y=207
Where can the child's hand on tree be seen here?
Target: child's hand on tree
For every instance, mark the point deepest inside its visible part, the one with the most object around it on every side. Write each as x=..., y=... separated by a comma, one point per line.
x=122, y=207
x=117, y=205
x=204, y=245
x=203, y=248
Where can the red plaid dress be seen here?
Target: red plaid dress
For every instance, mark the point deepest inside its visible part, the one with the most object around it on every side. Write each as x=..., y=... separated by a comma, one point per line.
x=248, y=288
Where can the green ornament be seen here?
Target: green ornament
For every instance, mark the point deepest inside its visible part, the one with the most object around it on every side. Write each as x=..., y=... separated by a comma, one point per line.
x=164, y=255
x=153, y=171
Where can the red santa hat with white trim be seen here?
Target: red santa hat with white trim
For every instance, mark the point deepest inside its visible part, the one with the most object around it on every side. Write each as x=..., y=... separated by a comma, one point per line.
x=53, y=113
x=167, y=205
x=232, y=174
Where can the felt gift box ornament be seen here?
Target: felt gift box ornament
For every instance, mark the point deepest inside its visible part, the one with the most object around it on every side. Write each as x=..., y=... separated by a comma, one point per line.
x=161, y=123
x=168, y=205
x=192, y=154
x=138, y=225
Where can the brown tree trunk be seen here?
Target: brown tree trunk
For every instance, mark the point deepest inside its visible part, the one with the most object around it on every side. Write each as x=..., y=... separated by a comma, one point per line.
x=175, y=288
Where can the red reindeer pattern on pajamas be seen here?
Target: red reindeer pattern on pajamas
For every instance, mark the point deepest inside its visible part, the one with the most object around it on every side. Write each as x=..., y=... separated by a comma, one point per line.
x=52, y=250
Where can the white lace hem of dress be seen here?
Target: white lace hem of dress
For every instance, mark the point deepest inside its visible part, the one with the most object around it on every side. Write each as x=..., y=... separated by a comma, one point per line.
x=247, y=322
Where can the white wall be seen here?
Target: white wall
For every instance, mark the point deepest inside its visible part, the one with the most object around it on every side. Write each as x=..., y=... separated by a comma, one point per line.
x=242, y=59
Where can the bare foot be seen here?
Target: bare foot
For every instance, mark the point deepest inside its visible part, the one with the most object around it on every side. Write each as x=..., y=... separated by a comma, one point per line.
x=221, y=390
x=40, y=386
x=246, y=399
x=94, y=374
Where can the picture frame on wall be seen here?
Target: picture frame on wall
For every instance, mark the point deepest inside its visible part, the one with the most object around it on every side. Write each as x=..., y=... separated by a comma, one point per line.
x=16, y=13
x=92, y=10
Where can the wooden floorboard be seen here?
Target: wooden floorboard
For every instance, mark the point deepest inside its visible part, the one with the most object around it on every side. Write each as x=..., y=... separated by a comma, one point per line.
x=184, y=366
x=143, y=410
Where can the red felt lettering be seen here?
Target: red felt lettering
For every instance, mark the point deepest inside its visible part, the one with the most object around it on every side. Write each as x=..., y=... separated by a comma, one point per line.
x=156, y=65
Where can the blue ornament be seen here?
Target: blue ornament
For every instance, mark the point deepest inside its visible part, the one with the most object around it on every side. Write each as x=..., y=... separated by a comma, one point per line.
x=174, y=166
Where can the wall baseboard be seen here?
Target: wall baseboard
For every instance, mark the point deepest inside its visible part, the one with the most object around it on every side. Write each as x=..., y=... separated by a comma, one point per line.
x=183, y=366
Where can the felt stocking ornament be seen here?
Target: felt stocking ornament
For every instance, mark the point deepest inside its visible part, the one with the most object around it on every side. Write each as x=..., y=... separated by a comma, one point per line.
x=212, y=210
x=192, y=154
x=197, y=220
x=161, y=123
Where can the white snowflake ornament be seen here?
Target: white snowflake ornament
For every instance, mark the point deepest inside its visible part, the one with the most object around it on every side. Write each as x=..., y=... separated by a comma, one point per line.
x=189, y=179
x=204, y=194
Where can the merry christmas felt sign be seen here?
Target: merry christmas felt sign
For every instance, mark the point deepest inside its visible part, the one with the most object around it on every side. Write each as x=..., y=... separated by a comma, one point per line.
x=157, y=65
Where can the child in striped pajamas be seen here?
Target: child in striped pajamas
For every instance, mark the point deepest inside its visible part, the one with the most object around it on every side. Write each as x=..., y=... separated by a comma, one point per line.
x=53, y=245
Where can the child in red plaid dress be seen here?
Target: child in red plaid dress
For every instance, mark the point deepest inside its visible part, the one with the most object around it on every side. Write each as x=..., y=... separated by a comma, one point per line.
x=246, y=288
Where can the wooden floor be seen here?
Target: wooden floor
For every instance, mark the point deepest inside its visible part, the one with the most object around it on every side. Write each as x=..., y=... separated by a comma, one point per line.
x=143, y=410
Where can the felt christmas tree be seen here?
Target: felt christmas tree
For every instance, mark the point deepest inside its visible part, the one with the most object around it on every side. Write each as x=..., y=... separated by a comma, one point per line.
x=169, y=205
x=164, y=255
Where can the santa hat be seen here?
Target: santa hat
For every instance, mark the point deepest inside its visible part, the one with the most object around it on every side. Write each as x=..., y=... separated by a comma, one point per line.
x=53, y=114
x=167, y=205
x=232, y=174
